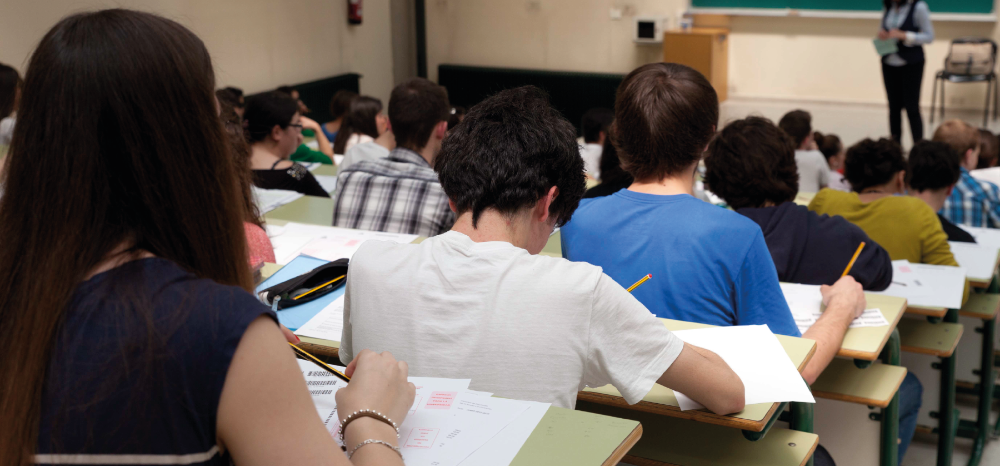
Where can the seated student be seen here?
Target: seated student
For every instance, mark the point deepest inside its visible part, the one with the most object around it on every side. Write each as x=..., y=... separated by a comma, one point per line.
x=973, y=202
x=513, y=172
x=303, y=153
x=10, y=93
x=340, y=103
x=806, y=248
x=613, y=177
x=273, y=129
x=814, y=172
x=401, y=193
x=294, y=94
x=232, y=97
x=131, y=332
x=933, y=170
x=363, y=123
x=989, y=149
x=835, y=152
x=595, y=125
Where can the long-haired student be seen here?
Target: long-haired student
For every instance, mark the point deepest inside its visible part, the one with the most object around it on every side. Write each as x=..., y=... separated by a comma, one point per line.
x=127, y=330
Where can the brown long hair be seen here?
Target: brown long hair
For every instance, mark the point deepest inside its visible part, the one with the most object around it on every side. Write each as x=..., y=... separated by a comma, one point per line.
x=360, y=119
x=10, y=84
x=149, y=168
x=241, y=160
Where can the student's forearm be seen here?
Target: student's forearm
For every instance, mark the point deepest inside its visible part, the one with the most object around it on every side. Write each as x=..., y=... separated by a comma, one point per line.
x=828, y=332
x=707, y=379
x=324, y=144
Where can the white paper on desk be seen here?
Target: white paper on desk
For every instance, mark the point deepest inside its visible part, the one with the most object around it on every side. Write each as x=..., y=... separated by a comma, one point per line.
x=270, y=199
x=323, y=387
x=756, y=356
x=925, y=285
x=984, y=236
x=312, y=166
x=327, y=324
x=328, y=182
x=806, y=304
x=978, y=260
x=338, y=159
x=987, y=174
x=288, y=244
x=329, y=243
x=501, y=449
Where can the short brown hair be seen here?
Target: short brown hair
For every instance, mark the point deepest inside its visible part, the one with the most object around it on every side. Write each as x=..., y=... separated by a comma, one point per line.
x=665, y=114
x=961, y=136
x=990, y=149
x=751, y=162
x=415, y=108
x=798, y=125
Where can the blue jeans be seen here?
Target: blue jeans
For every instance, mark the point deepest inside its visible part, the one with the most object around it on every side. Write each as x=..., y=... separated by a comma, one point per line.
x=910, y=398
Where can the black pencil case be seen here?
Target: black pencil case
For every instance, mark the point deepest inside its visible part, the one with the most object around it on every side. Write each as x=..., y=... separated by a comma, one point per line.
x=292, y=292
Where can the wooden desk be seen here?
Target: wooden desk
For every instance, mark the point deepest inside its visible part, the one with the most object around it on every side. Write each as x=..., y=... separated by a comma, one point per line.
x=306, y=209
x=326, y=170
x=661, y=400
x=565, y=436
x=866, y=343
x=704, y=49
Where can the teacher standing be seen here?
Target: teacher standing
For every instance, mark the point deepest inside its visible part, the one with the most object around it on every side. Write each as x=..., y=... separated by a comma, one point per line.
x=909, y=23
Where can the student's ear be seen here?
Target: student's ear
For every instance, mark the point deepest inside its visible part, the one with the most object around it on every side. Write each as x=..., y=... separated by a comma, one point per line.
x=441, y=130
x=901, y=180
x=971, y=157
x=950, y=189
x=277, y=133
x=451, y=205
x=541, y=212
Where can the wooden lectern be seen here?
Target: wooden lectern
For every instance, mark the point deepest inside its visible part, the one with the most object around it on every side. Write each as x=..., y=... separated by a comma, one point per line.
x=704, y=49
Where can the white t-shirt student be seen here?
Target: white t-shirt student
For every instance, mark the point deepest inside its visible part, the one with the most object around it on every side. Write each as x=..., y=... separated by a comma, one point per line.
x=814, y=172
x=519, y=325
x=364, y=152
x=591, y=154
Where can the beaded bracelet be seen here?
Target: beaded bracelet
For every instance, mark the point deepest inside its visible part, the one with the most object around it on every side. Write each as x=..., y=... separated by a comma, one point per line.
x=366, y=413
x=380, y=442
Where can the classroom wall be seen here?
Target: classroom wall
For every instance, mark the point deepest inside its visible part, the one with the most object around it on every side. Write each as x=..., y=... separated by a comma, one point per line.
x=255, y=44
x=795, y=59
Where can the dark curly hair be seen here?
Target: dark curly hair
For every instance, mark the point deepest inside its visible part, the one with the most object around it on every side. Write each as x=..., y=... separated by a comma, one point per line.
x=932, y=165
x=508, y=152
x=751, y=162
x=873, y=163
x=665, y=114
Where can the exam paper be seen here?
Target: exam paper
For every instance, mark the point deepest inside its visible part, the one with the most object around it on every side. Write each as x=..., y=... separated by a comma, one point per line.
x=328, y=324
x=987, y=174
x=330, y=243
x=984, y=236
x=328, y=182
x=270, y=199
x=925, y=285
x=806, y=304
x=885, y=47
x=756, y=356
x=978, y=260
x=501, y=450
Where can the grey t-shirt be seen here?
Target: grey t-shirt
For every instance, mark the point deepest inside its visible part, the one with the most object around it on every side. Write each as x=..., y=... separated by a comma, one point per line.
x=521, y=326
x=366, y=151
x=814, y=172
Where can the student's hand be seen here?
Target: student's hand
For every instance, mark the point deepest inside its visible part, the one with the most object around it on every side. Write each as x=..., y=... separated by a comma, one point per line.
x=309, y=123
x=897, y=34
x=883, y=34
x=378, y=382
x=848, y=293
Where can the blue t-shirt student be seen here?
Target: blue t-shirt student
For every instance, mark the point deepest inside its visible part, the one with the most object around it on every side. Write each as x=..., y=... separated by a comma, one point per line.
x=709, y=265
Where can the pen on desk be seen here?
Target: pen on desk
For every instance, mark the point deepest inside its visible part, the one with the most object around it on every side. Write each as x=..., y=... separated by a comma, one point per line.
x=320, y=287
x=640, y=282
x=313, y=359
x=851, y=263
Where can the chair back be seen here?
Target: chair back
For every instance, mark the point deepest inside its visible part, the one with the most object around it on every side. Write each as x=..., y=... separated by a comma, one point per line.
x=971, y=56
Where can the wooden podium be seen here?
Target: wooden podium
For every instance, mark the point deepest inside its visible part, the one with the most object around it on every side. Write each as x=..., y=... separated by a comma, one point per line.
x=704, y=49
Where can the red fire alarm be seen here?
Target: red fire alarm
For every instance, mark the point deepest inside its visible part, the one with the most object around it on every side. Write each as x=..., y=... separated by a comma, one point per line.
x=354, y=13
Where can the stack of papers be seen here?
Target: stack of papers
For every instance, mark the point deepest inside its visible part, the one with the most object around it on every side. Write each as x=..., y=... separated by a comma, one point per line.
x=329, y=243
x=806, y=304
x=448, y=424
x=270, y=199
x=925, y=285
x=984, y=236
x=978, y=260
x=756, y=356
x=328, y=182
x=328, y=324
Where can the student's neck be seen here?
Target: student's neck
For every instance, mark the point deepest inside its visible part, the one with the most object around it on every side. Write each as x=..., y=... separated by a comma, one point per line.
x=492, y=226
x=680, y=183
x=935, y=199
x=387, y=140
x=428, y=152
x=875, y=193
x=263, y=155
x=334, y=125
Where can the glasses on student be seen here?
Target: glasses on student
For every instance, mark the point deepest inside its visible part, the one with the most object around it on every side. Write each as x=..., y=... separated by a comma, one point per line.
x=294, y=125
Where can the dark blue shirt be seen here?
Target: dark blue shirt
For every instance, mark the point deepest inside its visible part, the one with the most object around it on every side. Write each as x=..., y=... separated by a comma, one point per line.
x=709, y=264
x=139, y=364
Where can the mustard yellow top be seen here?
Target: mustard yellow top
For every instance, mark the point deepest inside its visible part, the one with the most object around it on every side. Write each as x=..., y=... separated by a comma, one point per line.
x=905, y=226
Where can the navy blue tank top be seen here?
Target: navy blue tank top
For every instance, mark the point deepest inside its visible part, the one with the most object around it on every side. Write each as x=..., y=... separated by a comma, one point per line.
x=910, y=54
x=127, y=386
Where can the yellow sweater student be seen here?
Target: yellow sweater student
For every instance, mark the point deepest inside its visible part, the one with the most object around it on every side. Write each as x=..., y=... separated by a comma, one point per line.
x=904, y=226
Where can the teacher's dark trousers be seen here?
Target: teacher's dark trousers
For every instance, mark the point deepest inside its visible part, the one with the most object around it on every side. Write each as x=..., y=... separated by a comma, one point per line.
x=902, y=87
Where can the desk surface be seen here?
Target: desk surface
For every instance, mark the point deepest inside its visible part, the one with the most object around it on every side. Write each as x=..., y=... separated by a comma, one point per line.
x=306, y=209
x=565, y=436
x=325, y=170
x=661, y=400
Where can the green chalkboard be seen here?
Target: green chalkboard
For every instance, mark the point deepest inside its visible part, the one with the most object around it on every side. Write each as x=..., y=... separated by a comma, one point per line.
x=936, y=6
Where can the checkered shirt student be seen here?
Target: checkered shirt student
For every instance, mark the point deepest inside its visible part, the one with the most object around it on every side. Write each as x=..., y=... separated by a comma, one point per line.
x=973, y=202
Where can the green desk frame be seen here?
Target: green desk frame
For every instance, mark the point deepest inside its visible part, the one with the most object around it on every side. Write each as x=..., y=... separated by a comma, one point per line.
x=980, y=430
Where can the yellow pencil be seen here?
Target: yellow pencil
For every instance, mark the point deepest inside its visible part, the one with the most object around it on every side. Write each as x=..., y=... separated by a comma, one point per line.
x=640, y=282
x=301, y=352
x=319, y=287
x=851, y=263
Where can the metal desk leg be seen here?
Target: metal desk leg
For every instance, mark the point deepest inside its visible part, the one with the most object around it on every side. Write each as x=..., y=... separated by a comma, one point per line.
x=982, y=430
x=802, y=420
x=947, y=419
x=890, y=414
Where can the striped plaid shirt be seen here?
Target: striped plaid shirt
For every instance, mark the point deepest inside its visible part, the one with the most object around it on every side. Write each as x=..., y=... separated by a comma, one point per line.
x=398, y=194
x=973, y=202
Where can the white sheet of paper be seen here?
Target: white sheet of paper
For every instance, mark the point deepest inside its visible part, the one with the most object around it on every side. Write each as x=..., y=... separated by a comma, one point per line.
x=756, y=356
x=338, y=159
x=987, y=174
x=328, y=182
x=984, y=236
x=288, y=244
x=270, y=199
x=328, y=243
x=314, y=144
x=925, y=285
x=501, y=450
x=806, y=304
x=978, y=260
x=328, y=324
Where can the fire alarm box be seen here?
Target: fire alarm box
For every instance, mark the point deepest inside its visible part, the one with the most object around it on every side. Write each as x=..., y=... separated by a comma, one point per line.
x=354, y=13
